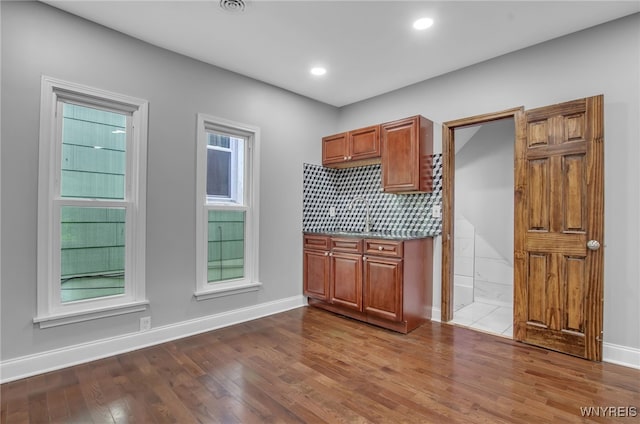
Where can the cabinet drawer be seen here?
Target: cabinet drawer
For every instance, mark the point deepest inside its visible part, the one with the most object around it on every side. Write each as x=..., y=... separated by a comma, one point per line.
x=317, y=242
x=351, y=245
x=383, y=248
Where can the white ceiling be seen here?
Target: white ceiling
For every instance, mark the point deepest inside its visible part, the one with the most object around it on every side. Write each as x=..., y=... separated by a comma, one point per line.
x=368, y=47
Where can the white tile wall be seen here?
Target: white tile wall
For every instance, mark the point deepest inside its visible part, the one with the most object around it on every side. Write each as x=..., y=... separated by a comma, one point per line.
x=492, y=281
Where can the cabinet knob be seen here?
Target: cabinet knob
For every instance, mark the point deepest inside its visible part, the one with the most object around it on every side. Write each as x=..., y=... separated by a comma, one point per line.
x=364, y=258
x=380, y=248
x=350, y=157
x=345, y=158
x=326, y=253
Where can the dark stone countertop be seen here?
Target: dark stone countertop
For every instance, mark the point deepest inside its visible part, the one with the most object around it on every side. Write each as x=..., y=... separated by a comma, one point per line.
x=388, y=235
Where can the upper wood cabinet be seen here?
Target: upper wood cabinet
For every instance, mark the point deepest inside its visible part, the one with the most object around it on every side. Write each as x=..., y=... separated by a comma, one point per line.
x=353, y=148
x=407, y=149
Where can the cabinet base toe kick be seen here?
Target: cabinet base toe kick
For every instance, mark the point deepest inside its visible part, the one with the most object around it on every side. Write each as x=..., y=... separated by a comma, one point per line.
x=404, y=326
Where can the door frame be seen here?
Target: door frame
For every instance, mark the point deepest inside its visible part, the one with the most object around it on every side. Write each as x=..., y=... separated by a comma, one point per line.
x=448, y=187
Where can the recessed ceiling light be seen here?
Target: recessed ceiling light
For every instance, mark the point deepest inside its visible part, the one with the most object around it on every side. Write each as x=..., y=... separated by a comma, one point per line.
x=423, y=23
x=318, y=70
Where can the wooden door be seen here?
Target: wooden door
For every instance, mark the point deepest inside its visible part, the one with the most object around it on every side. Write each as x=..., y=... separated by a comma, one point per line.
x=316, y=267
x=383, y=287
x=558, y=209
x=346, y=280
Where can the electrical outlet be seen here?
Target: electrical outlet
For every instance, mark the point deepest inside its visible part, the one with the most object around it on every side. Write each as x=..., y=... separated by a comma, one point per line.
x=436, y=211
x=332, y=211
x=145, y=323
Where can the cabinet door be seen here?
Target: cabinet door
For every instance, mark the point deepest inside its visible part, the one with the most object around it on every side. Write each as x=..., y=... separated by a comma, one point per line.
x=383, y=287
x=407, y=147
x=364, y=143
x=335, y=149
x=399, y=164
x=316, y=265
x=346, y=280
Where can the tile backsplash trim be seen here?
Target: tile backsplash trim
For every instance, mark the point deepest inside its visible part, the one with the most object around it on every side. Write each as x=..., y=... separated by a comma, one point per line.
x=394, y=213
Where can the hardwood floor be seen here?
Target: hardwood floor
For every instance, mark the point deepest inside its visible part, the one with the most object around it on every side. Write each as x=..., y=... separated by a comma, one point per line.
x=308, y=365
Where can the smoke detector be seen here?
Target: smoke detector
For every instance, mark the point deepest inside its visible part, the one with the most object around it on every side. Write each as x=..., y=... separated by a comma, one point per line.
x=232, y=5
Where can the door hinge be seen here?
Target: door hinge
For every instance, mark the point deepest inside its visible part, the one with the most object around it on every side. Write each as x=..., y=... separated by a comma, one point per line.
x=600, y=338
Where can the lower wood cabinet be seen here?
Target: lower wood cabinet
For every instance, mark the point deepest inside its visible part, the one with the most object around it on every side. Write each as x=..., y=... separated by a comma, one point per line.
x=382, y=282
x=346, y=280
x=316, y=267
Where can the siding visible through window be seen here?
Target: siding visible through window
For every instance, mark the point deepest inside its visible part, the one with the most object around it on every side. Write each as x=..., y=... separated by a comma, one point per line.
x=225, y=245
x=93, y=153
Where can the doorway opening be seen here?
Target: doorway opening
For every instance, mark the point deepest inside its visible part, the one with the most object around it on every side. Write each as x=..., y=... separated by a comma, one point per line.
x=481, y=221
x=483, y=227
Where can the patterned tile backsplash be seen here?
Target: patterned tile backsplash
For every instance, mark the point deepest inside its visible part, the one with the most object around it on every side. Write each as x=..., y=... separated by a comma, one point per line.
x=396, y=213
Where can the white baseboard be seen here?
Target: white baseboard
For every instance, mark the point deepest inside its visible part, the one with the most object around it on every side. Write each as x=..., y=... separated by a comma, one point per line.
x=26, y=366
x=435, y=314
x=612, y=353
x=621, y=355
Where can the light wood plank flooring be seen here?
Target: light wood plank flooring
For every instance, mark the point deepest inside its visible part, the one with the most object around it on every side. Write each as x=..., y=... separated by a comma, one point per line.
x=308, y=365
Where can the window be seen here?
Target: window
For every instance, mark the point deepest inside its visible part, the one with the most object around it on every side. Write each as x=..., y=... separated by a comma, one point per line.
x=227, y=207
x=91, y=206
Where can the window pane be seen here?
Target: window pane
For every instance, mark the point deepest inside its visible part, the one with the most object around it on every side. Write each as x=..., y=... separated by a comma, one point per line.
x=225, y=245
x=219, y=140
x=93, y=153
x=92, y=252
x=218, y=173
x=225, y=168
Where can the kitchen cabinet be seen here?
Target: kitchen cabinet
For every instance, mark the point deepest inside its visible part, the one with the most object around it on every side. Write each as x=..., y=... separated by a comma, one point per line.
x=346, y=272
x=383, y=282
x=316, y=267
x=352, y=148
x=383, y=279
x=407, y=149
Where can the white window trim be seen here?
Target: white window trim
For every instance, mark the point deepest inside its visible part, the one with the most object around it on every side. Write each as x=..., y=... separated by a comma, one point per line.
x=50, y=310
x=250, y=282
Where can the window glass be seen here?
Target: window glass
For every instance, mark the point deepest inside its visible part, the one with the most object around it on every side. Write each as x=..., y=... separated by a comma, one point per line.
x=93, y=153
x=226, y=230
x=225, y=168
x=92, y=258
x=218, y=173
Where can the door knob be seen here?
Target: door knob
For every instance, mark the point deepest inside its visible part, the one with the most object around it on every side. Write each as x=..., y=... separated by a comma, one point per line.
x=593, y=245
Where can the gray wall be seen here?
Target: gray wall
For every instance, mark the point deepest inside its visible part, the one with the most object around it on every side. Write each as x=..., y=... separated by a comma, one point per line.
x=602, y=60
x=38, y=39
x=484, y=184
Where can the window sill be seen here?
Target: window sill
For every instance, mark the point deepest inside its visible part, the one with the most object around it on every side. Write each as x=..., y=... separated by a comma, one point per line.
x=227, y=289
x=58, y=319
